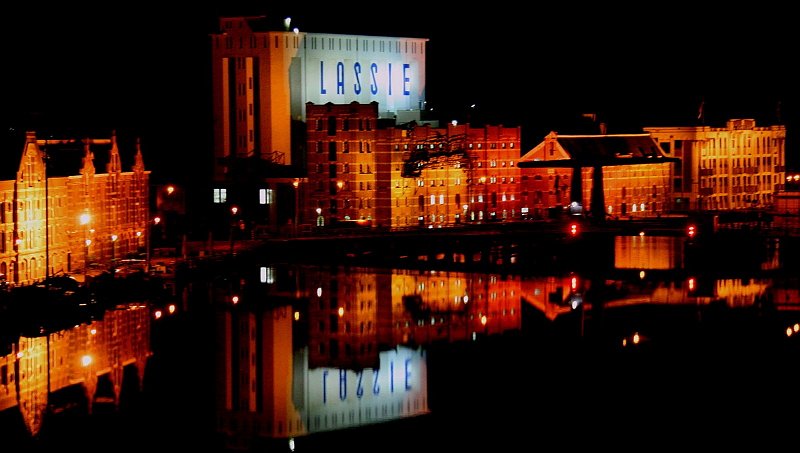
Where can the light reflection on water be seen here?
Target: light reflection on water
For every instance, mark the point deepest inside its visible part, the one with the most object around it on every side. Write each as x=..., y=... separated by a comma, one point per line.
x=268, y=354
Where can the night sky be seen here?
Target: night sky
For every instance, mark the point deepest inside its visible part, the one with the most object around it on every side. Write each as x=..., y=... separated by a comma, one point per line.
x=144, y=71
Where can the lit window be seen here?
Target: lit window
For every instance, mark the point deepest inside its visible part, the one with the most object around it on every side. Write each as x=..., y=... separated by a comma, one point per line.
x=220, y=196
x=265, y=196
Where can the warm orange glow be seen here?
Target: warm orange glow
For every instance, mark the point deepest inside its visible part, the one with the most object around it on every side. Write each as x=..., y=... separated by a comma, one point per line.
x=796, y=327
x=789, y=332
x=296, y=183
x=86, y=360
x=235, y=300
x=484, y=320
x=636, y=338
x=93, y=331
x=170, y=189
x=171, y=308
x=341, y=311
x=157, y=220
x=340, y=184
x=297, y=316
x=641, y=275
x=84, y=218
x=114, y=238
x=234, y=210
x=138, y=234
x=691, y=283
x=157, y=314
x=573, y=283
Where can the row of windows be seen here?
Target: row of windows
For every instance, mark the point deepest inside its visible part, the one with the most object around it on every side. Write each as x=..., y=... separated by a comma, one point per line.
x=442, y=146
x=363, y=45
x=347, y=124
x=363, y=147
x=332, y=169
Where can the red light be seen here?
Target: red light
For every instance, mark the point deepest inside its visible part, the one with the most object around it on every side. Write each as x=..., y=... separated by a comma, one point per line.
x=573, y=229
x=691, y=283
x=235, y=300
x=573, y=283
x=691, y=231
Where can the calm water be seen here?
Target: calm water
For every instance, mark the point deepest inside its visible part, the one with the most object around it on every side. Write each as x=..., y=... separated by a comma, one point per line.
x=657, y=349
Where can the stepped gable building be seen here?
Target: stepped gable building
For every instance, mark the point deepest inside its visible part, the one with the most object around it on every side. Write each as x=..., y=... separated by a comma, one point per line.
x=739, y=166
x=620, y=175
x=70, y=202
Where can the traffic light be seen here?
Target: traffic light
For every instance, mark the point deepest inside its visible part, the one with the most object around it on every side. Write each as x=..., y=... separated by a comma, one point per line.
x=573, y=229
x=691, y=231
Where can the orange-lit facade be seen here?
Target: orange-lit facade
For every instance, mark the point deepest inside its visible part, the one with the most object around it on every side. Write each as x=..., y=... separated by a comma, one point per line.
x=263, y=76
x=332, y=124
x=406, y=175
x=739, y=166
x=48, y=220
x=101, y=359
x=629, y=171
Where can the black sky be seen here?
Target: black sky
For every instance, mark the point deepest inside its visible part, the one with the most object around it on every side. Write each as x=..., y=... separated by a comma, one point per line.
x=143, y=70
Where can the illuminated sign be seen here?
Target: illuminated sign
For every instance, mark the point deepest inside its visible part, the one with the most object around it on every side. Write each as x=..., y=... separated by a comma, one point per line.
x=346, y=68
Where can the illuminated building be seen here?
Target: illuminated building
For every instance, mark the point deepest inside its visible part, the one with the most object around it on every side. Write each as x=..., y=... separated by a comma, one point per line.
x=59, y=213
x=261, y=82
x=739, y=166
x=620, y=175
x=406, y=175
x=91, y=363
x=331, y=125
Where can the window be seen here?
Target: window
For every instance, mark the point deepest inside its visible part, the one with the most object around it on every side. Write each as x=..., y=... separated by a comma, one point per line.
x=265, y=196
x=332, y=125
x=220, y=196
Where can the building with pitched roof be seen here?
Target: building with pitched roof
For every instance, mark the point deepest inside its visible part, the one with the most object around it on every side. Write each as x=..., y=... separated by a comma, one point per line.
x=625, y=175
x=58, y=213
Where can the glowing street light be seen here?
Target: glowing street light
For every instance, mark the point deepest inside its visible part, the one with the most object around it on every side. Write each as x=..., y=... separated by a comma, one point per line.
x=234, y=211
x=84, y=220
x=114, y=238
x=296, y=185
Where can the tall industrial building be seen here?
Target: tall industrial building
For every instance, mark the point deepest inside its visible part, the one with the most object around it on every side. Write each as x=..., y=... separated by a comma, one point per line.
x=313, y=129
x=263, y=79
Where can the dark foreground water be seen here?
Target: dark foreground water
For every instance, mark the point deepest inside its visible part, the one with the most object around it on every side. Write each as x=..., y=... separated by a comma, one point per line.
x=261, y=356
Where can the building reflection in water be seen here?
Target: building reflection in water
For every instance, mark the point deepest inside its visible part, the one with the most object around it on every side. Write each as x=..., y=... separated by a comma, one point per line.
x=303, y=350
x=76, y=369
x=336, y=347
x=349, y=351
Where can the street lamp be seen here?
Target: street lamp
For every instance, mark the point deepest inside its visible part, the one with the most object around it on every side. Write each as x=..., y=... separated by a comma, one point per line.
x=234, y=210
x=296, y=184
x=114, y=238
x=84, y=220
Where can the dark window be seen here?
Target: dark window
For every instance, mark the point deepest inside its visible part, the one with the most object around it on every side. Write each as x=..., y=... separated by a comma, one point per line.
x=331, y=125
